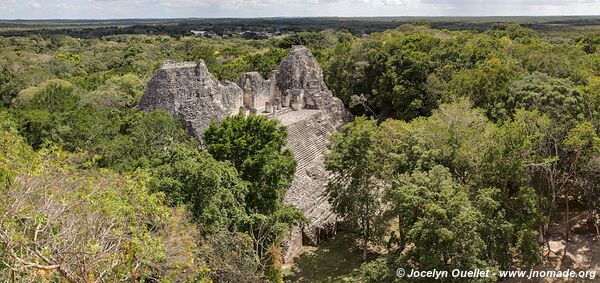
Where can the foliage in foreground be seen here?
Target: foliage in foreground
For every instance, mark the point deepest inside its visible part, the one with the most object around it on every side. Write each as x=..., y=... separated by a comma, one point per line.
x=61, y=218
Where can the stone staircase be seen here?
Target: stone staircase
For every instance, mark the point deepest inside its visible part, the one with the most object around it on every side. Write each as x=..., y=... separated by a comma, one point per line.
x=308, y=139
x=282, y=111
x=307, y=144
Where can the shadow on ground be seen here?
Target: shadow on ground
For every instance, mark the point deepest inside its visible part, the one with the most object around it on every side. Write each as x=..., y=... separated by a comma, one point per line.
x=581, y=253
x=336, y=260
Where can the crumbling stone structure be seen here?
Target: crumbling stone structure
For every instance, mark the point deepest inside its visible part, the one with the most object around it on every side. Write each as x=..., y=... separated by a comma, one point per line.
x=258, y=93
x=295, y=94
x=191, y=93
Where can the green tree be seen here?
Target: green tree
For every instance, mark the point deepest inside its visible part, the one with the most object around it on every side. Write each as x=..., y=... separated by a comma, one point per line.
x=354, y=191
x=16, y=156
x=400, y=72
x=212, y=190
x=37, y=127
x=51, y=95
x=591, y=92
x=255, y=146
x=345, y=74
x=455, y=136
x=583, y=140
x=141, y=137
x=487, y=86
x=8, y=88
x=583, y=144
x=117, y=92
x=265, y=63
x=492, y=162
x=440, y=224
x=559, y=98
x=61, y=219
x=507, y=167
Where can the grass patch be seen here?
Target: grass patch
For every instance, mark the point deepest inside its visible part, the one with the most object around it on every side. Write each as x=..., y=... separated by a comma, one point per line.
x=336, y=260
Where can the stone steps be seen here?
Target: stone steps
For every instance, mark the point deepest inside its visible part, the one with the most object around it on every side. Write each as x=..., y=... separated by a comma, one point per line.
x=284, y=110
x=281, y=111
x=306, y=144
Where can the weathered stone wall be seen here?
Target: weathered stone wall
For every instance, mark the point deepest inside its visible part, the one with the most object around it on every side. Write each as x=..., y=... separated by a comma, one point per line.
x=257, y=91
x=300, y=74
x=191, y=93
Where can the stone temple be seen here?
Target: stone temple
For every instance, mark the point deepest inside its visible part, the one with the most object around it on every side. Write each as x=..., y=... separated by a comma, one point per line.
x=295, y=94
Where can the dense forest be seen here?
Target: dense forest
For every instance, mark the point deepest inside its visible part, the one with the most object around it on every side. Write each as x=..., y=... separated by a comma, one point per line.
x=357, y=26
x=466, y=148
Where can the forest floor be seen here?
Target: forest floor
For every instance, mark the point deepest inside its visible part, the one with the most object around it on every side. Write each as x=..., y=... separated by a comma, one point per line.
x=336, y=260
x=339, y=259
x=580, y=253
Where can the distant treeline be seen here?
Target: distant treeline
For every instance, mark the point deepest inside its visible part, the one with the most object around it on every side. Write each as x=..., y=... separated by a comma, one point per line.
x=357, y=26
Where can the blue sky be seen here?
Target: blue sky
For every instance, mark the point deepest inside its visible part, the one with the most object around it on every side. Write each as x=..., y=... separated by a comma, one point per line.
x=103, y=9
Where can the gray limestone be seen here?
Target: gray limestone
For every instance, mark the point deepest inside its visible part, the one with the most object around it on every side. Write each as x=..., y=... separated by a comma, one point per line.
x=191, y=93
x=257, y=91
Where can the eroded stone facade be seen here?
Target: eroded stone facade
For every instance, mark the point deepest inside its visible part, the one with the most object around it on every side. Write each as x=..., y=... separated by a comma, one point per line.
x=191, y=93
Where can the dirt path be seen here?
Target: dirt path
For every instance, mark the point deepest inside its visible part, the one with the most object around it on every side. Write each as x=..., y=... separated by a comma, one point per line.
x=581, y=253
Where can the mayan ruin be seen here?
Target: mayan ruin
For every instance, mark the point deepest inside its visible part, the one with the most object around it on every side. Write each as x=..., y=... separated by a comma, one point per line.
x=295, y=94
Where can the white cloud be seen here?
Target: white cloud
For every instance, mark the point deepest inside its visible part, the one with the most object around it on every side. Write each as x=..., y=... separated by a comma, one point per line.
x=271, y=8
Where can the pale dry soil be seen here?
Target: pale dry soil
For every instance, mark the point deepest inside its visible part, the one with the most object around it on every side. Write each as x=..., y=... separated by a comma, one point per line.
x=580, y=253
x=338, y=259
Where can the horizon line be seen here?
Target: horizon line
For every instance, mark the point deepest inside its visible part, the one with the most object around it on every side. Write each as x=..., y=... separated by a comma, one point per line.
x=297, y=17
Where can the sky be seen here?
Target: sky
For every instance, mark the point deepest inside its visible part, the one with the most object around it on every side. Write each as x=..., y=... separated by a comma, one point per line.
x=112, y=9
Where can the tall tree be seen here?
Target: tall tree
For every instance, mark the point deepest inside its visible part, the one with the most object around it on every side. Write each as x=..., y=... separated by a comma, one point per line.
x=583, y=144
x=355, y=191
x=255, y=146
x=440, y=224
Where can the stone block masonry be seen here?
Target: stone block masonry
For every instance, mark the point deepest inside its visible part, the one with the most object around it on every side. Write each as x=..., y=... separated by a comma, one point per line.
x=191, y=93
x=295, y=94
